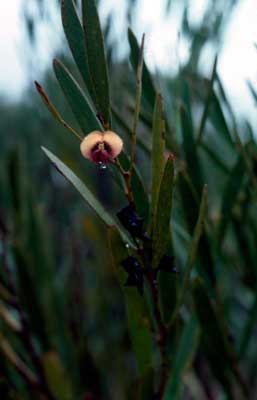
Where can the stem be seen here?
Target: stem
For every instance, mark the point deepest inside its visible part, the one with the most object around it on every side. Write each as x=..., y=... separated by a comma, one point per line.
x=127, y=182
x=161, y=339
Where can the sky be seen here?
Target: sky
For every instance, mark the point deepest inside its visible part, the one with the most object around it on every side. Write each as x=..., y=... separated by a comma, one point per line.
x=237, y=62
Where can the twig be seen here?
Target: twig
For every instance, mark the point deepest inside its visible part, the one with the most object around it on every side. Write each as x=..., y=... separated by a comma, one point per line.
x=126, y=175
x=54, y=112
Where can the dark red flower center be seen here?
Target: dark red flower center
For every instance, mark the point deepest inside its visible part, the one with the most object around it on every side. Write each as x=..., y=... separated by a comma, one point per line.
x=101, y=152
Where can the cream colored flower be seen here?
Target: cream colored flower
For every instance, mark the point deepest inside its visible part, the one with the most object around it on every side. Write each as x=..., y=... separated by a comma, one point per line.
x=101, y=147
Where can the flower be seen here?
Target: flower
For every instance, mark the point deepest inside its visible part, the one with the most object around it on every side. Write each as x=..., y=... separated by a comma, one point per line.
x=135, y=273
x=101, y=147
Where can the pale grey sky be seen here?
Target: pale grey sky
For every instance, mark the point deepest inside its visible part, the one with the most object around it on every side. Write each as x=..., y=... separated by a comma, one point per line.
x=237, y=63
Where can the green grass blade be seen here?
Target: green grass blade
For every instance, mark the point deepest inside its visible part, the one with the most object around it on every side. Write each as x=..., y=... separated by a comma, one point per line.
x=96, y=58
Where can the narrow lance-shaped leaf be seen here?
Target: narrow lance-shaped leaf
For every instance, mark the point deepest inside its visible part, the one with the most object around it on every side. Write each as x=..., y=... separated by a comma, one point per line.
x=192, y=253
x=158, y=148
x=190, y=207
x=168, y=289
x=190, y=149
x=207, y=102
x=215, y=342
x=253, y=91
x=218, y=119
x=161, y=225
x=85, y=192
x=215, y=157
x=183, y=358
x=147, y=83
x=75, y=37
x=16, y=361
x=9, y=319
x=248, y=328
x=231, y=192
x=96, y=58
x=136, y=309
x=137, y=103
x=77, y=101
x=56, y=376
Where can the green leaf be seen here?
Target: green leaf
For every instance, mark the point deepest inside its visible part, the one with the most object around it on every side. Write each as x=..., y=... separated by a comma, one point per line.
x=190, y=150
x=218, y=120
x=192, y=253
x=158, y=148
x=147, y=83
x=190, y=203
x=207, y=102
x=161, y=225
x=96, y=58
x=248, y=328
x=183, y=358
x=77, y=101
x=136, y=308
x=139, y=191
x=57, y=379
x=168, y=288
x=29, y=296
x=75, y=37
x=253, y=91
x=146, y=386
x=85, y=192
x=8, y=318
x=217, y=347
x=16, y=361
x=215, y=157
x=230, y=194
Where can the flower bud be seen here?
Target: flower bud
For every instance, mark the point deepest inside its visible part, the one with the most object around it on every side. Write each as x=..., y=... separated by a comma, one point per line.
x=131, y=221
x=101, y=147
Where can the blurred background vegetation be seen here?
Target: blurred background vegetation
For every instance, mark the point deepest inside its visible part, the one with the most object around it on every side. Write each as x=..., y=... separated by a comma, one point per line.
x=56, y=250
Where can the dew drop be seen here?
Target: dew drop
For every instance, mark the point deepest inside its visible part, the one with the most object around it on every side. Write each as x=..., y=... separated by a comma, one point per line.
x=101, y=165
x=127, y=245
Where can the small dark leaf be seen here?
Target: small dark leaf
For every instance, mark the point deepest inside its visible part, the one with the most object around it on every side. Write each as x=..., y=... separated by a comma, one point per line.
x=131, y=221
